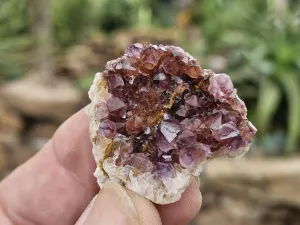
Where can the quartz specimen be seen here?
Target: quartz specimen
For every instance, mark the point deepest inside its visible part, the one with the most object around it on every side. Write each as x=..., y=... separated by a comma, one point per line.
x=157, y=117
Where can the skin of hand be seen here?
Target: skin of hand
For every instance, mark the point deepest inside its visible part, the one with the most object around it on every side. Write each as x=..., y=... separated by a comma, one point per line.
x=57, y=185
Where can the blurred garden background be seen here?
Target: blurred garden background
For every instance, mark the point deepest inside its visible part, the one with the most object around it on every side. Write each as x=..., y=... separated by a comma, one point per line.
x=51, y=49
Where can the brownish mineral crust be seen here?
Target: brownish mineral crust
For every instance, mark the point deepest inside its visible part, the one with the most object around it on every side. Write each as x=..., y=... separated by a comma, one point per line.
x=165, y=113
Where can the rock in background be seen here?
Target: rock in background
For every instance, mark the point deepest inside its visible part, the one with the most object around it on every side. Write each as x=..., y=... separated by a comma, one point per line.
x=251, y=191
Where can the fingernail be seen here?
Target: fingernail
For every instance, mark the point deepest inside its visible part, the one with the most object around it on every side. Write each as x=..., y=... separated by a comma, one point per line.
x=113, y=206
x=86, y=212
x=122, y=197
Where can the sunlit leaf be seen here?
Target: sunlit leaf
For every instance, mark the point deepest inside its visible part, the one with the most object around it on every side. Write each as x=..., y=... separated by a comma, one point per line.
x=290, y=83
x=267, y=104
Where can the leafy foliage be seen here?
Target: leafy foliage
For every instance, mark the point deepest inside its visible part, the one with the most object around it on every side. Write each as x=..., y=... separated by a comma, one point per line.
x=13, y=38
x=71, y=18
x=12, y=17
x=116, y=14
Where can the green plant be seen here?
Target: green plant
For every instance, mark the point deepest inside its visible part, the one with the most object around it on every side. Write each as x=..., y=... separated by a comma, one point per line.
x=12, y=57
x=116, y=14
x=14, y=39
x=71, y=20
x=110, y=15
x=263, y=49
x=12, y=17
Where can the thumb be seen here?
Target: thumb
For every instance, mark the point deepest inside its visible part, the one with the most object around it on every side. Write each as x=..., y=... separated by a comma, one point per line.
x=115, y=205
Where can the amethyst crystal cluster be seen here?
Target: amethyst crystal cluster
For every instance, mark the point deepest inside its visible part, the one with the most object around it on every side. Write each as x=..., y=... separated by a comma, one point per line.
x=156, y=116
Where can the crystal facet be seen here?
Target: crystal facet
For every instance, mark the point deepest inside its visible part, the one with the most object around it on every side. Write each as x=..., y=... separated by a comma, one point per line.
x=116, y=107
x=169, y=130
x=107, y=129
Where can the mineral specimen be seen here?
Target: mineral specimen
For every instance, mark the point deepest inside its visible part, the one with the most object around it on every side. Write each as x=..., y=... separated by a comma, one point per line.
x=157, y=117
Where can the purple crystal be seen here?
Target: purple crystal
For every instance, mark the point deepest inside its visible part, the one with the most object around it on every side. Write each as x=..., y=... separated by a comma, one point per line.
x=115, y=81
x=151, y=57
x=238, y=105
x=120, y=126
x=101, y=111
x=176, y=79
x=162, y=48
x=125, y=150
x=236, y=143
x=177, y=51
x=230, y=136
x=193, y=153
x=171, y=66
x=134, y=50
x=229, y=116
x=252, y=129
x=111, y=65
x=134, y=125
x=221, y=86
x=107, y=129
x=117, y=107
x=192, y=101
x=166, y=158
x=185, y=59
x=213, y=121
x=125, y=64
x=247, y=130
x=162, y=142
x=226, y=131
x=193, y=69
x=169, y=130
x=185, y=139
x=167, y=116
x=164, y=84
x=164, y=169
x=140, y=161
x=160, y=77
x=181, y=111
x=147, y=130
x=191, y=124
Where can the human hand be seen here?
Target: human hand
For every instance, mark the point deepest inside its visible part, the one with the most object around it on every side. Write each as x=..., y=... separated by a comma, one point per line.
x=57, y=184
